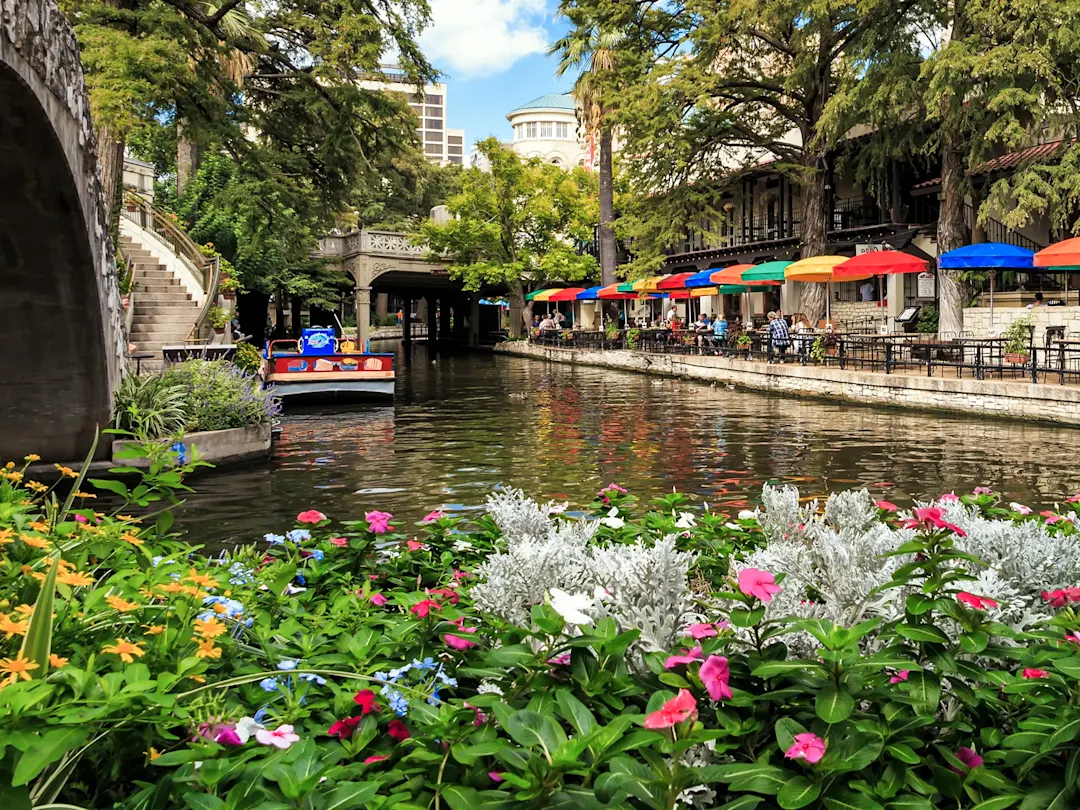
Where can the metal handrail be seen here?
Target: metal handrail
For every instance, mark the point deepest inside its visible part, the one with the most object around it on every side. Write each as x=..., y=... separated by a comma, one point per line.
x=149, y=217
x=214, y=271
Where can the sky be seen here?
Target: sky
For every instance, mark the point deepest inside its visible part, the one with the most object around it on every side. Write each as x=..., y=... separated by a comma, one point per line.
x=492, y=55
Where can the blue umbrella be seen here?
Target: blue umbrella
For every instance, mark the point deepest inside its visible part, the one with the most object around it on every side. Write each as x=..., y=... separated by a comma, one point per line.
x=590, y=294
x=987, y=255
x=702, y=279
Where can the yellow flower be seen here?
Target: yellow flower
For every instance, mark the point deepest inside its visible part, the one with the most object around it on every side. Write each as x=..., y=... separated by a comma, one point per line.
x=126, y=518
x=40, y=526
x=81, y=494
x=207, y=649
x=5, y=537
x=154, y=629
x=220, y=608
x=70, y=473
x=10, y=627
x=197, y=678
x=12, y=476
x=172, y=587
x=153, y=753
x=193, y=590
x=34, y=542
x=16, y=668
x=36, y=486
x=32, y=458
x=210, y=628
x=121, y=604
x=25, y=610
x=130, y=538
x=56, y=661
x=205, y=580
x=125, y=649
x=76, y=579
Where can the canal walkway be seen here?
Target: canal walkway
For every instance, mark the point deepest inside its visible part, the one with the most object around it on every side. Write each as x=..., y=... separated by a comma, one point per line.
x=1012, y=399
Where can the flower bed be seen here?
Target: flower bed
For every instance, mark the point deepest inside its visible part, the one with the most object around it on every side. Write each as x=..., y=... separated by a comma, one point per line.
x=856, y=658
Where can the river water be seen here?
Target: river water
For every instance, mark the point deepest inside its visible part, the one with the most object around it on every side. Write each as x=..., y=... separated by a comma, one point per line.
x=463, y=424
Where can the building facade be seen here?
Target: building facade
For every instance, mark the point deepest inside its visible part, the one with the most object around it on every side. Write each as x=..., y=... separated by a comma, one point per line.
x=547, y=128
x=440, y=144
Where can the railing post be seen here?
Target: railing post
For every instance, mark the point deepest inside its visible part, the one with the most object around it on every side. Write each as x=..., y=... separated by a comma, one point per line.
x=1032, y=353
x=888, y=357
x=841, y=351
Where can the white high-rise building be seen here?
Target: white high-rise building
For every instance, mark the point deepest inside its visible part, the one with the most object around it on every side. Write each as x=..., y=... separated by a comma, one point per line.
x=440, y=144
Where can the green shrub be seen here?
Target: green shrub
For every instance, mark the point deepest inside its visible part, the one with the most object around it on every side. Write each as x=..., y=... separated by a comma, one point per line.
x=154, y=403
x=220, y=396
x=247, y=358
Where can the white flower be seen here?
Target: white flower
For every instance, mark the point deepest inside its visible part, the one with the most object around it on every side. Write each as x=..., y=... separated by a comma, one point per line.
x=487, y=687
x=600, y=594
x=733, y=526
x=746, y=514
x=685, y=521
x=571, y=606
x=293, y=589
x=462, y=545
x=558, y=508
x=613, y=521
x=245, y=727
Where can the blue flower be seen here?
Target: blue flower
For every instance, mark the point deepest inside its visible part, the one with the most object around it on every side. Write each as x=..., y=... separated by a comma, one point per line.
x=311, y=677
x=299, y=535
x=300, y=578
x=434, y=699
x=270, y=684
x=398, y=703
x=215, y=600
x=317, y=554
x=274, y=539
x=426, y=665
x=181, y=452
x=446, y=679
x=156, y=561
x=206, y=616
x=287, y=663
x=260, y=715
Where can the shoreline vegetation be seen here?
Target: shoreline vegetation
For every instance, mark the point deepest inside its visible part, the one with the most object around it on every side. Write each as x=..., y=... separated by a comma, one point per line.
x=836, y=655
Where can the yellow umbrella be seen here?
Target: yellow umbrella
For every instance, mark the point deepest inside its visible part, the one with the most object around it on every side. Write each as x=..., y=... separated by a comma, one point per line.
x=544, y=295
x=648, y=285
x=704, y=292
x=820, y=269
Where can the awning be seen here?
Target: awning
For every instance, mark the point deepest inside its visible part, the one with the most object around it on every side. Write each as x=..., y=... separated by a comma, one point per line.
x=987, y=255
x=567, y=294
x=878, y=263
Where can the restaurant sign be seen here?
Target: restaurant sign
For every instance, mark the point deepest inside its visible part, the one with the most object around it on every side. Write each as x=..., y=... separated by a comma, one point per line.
x=926, y=285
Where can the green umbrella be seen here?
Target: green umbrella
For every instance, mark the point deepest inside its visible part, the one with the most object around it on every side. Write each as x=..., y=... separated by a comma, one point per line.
x=769, y=271
x=626, y=287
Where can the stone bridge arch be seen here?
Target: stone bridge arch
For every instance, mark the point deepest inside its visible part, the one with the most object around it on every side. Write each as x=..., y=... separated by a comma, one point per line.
x=62, y=343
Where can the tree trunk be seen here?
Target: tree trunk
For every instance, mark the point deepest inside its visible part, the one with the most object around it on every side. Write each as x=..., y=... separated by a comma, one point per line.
x=951, y=234
x=297, y=319
x=110, y=159
x=518, y=302
x=812, y=241
x=187, y=160
x=607, y=209
x=279, y=314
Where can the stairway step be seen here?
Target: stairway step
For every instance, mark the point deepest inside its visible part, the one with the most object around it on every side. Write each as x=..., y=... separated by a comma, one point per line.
x=152, y=287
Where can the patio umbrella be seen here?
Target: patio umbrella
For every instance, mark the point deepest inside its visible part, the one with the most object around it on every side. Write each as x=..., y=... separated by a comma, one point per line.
x=541, y=295
x=566, y=294
x=878, y=263
x=590, y=294
x=767, y=271
x=1062, y=256
x=676, y=281
x=648, y=285
x=988, y=255
x=821, y=269
x=615, y=292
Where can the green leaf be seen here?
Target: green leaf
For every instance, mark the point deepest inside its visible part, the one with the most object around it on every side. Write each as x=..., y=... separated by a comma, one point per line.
x=1049, y=798
x=37, y=643
x=999, y=802
x=925, y=689
x=753, y=777
x=797, y=792
x=743, y=803
x=834, y=705
x=468, y=754
x=576, y=712
x=203, y=801
x=52, y=746
x=117, y=487
x=785, y=730
x=531, y=729
x=740, y=617
x=904, y=753
x=922, y=632
x=1067, y=733
x=459, y=797
x=850, y=800
x=350, y=795
x=514, y=655
x=910, y=802
x=974, y=642
x=771, y=669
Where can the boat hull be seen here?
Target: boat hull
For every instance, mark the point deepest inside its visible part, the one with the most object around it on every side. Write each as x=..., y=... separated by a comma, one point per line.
x=323, y=390
x=337, y=377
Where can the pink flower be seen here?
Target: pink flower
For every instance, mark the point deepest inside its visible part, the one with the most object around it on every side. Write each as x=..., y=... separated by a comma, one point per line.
x=1073, y=638
x=758, y=583
x=900, y=676
x=948, y=497
x=222, y=733
x=445, y=593
x=422, y=609
x=1051, y=517
x=932, y=516
x=378, y=599
x=398, y=730
x=415, y=545
x=80, y=518
x=885, y=506
x=1073, y=498
x=983, y=491
x=460, y=575
x=431, y=517
x=1032, y=673
x=281, y=737
x=311, y=516
x=457, y=642
x=495, y=776
x=374, y=758
x=970, y=759
x=687, y=657
x=611, y=488
x=1056, y=598
x=714, y=673
x=560, y=660
x=478, y=716
x=339, y=541
x=378, y=522
x=680, y=708
x=700, y=631
x=977, y=602
x=807, y=746
x=365, y=699
x=344, y=729
x=1020, y=509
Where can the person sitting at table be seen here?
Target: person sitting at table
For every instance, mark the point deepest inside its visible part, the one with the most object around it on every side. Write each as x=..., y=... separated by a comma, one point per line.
x=702, y=328
x=779, y=336
x=547, y=325
x=719, y=332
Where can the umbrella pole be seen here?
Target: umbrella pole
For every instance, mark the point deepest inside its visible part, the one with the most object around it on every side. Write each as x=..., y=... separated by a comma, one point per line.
x=828, y=304
x=992, y=274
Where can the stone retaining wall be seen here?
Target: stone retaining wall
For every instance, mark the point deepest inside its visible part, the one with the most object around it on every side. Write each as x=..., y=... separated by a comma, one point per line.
x=977, y=319
x=219, y=447
x=1015, y=400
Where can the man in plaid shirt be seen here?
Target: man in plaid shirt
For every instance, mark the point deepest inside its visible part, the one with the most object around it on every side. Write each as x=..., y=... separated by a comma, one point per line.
x=779, y=337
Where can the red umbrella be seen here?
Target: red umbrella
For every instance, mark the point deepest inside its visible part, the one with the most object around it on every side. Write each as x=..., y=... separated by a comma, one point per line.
x=569, y=294
x=674, y=282
x=878, y=263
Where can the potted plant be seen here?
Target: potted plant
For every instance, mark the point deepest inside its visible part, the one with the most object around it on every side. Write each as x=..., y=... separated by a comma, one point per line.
x=229, y=287
x=632, y=337
x=218, y=318
x=1018, y=341
x=743, y=343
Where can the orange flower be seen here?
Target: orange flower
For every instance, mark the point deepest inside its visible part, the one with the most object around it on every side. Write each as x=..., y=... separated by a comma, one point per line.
x=10, y=465
x=126, y=518
x=34, y=542
x=81, y=494
x=32, y=458
x=25, y=610
x=125, y=649
x=210, y=628
x=36, y=486
x=220, y=608
x=197, y=678
x=11, y=628
x=40, y=526
x=207, y=649
x=16, y=668
x=130, y=538
x=121, y=604
x=205, y=580
x=154, y=629
x=153, y=753
x=5, y=537
x=12, y=476
x=70, y=473
x=56, y=661
x=76, y=579
x=172, y=587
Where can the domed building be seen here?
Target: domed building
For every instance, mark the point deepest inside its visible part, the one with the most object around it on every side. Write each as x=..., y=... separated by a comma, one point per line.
x=547, y=128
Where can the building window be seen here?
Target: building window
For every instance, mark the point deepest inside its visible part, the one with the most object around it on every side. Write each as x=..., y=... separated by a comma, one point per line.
x=547, y=129
x=562, y=131
x=454, y=140
x=530, y=130
x=433, y=148
x=432, y=99
x=435, y=111
x=455, y=159
x=556, y=162
x=415, y=98
x=433, y=137
x=453, y=150
x=433, y=123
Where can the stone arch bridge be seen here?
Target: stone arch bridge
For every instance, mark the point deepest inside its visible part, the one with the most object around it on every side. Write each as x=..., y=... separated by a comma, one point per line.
x=62, y=344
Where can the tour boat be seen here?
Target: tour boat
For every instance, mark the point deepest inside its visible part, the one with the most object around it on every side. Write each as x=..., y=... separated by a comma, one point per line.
x=322, y=367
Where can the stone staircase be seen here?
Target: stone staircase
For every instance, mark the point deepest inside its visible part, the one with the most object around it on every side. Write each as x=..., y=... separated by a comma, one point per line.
x=164, y=311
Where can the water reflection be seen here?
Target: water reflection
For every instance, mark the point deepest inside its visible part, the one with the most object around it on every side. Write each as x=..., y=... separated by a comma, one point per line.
x=467, y=423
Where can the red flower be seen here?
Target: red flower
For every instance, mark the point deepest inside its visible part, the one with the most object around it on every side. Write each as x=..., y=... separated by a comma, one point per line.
x=422, y=609
x=977, y=602
x=365, y=699
x=886, y=506
x=374, y=758
x=457, y=642
x=1056, y=598
x=446, y=593
x=415, y=545
x=311, y=516
x=398, y=730
x=338, y=541
x=1030, y=673
x=343, y=729
x=679, y=708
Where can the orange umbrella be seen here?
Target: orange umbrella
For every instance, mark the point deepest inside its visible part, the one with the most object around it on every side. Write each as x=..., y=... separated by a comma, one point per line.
x=1061, y=254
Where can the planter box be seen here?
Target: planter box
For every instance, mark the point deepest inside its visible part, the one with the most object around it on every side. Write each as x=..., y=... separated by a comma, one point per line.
x=1017, y=358
x=219, y=447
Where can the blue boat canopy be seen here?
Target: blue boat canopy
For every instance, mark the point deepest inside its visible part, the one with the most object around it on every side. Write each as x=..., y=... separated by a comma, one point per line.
x=987, y=255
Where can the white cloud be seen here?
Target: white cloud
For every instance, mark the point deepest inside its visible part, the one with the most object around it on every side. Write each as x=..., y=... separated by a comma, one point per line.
x=469, y=38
